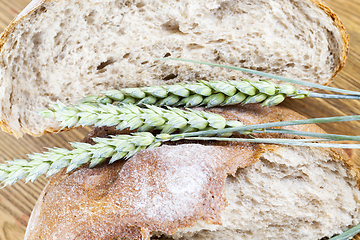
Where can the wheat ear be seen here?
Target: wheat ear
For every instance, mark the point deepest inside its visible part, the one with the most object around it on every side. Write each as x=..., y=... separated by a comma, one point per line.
x=125, y=146
x=189, y=123
x=51, y=162
x=134, y=117
x=350, y=94
x=202, y=93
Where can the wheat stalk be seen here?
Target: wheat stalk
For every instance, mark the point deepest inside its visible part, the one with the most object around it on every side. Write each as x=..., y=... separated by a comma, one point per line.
x=51, y=162
x=189, y=123
x=202, y=93
x=348, y=234
x=134, y=117
x=290, y=142
x=351, y=94
x=125, y=146
x=263, y=127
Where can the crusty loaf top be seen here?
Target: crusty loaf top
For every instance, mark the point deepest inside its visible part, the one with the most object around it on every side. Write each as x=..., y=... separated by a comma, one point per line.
x=64, y=50
x=160, y=190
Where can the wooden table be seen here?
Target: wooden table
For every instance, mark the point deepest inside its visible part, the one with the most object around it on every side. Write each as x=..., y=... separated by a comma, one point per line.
x=17, y=202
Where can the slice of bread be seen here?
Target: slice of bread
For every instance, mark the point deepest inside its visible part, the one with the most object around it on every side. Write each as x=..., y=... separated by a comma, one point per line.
x=206, y=191
x=64, y=50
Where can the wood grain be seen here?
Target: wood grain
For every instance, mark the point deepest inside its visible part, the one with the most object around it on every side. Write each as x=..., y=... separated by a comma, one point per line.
x=348, y=78
x=17, y=202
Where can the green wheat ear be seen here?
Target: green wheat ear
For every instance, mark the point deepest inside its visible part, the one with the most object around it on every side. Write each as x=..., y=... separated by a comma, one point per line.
x=125, y=146
x=353, y=94
x=210, y=94
x=53, y=161
x=192, y=124
x=128, y=116
x=202, y=93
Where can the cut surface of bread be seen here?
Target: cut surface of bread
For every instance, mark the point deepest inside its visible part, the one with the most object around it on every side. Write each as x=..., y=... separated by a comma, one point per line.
x=206, y=191
x=64, y=50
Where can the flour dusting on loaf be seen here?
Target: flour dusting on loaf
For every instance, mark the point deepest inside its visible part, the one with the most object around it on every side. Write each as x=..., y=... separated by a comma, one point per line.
x=206, y=191
x=186, y=167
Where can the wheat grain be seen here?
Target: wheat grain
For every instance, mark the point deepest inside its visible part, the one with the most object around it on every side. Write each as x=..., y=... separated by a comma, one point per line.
x=134, y=117
x=202, y=93
x=53, y=161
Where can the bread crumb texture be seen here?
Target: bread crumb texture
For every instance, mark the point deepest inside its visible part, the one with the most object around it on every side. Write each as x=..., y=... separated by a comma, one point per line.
x=188, y=192
x=208, y=191
x=65, y=50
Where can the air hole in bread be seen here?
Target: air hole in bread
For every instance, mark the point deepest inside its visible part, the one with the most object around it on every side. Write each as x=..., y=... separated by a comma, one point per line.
x=290, y=65
x=161, y=237
x=220, y=40
x=170, y=76
x=42, y=9
x=51, y=97
x=37, y=38
x=57, y=38
x=129, y=3
x=194, y=46
x=261, y=69
x=167, y=55
x=14, y=44
x=102, y=66
x=67, y=11
x=171, y=26
x=140, y=4
x=90, y=18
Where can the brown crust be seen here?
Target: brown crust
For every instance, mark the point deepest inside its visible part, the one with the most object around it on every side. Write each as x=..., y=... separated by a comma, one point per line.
x=134, y=198
x=345, y=36
x=28, y=10
x=38, y=3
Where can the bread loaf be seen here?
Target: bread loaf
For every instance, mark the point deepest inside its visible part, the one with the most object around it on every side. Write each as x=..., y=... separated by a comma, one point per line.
x=206, y=191
x=64, y=50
